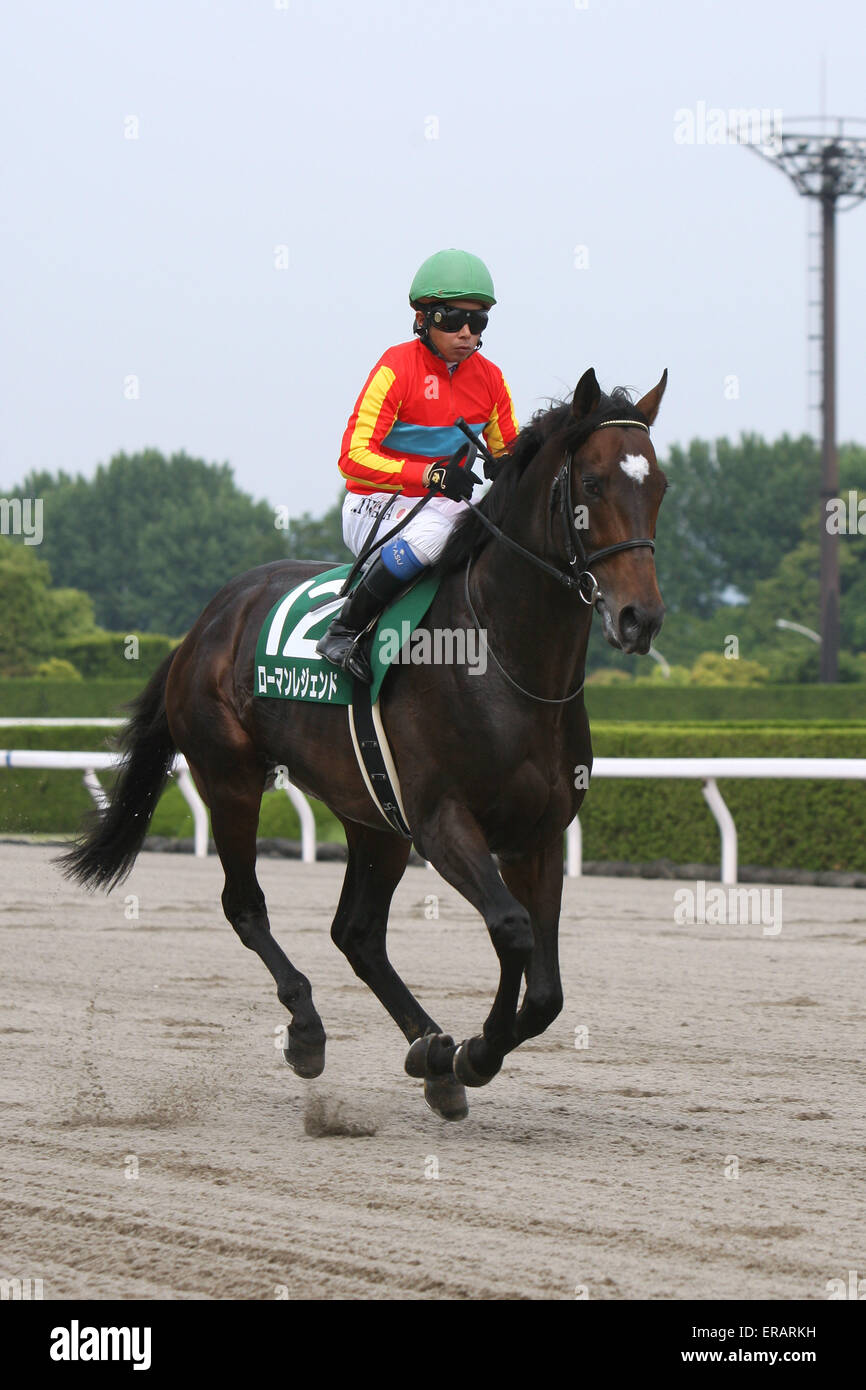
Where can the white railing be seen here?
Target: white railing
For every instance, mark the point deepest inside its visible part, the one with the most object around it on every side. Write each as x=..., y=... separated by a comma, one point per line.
x=17, y=723
x=707, y=769
x=90, y=763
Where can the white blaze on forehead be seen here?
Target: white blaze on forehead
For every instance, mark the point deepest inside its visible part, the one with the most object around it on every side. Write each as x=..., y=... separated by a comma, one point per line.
x=635, y=467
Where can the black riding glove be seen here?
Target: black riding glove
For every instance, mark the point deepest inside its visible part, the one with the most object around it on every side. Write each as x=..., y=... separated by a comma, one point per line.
x=451, y=479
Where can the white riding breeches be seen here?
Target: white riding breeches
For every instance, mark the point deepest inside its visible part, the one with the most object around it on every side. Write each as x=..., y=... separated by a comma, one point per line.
x=426, y=534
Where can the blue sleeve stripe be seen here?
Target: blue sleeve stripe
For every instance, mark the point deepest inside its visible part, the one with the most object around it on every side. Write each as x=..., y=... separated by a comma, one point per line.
x=426, y=441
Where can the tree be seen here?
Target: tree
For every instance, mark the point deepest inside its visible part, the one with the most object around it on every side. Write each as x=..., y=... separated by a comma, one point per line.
x=731, y=510
x=322, y=539
x=152, y=539
x=712, y=668
x=35, y=617
x=747, y=518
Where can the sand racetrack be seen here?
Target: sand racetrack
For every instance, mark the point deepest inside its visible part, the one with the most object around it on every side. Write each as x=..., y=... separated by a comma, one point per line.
x=154, y=1143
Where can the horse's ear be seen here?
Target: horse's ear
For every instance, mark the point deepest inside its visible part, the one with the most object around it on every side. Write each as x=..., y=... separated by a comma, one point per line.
x=587, y=394
x=649, y=404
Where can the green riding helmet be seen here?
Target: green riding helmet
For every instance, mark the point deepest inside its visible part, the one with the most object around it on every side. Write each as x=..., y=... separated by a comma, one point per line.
x=452, y=274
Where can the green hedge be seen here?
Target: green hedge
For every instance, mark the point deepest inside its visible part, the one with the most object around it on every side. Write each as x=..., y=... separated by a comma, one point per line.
x=700, y=704
x=41, y=699
x=115, y=655
x=808, y=825
x=679, y=704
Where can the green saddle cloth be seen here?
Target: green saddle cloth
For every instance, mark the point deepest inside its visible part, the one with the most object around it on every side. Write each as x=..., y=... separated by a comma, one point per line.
x=288, y=667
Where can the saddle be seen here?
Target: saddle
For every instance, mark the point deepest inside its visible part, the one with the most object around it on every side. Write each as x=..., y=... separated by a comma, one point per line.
x=287, y=665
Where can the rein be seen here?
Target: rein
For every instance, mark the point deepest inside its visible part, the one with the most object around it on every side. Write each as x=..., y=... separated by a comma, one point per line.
x=575, y=552
x=542, y=699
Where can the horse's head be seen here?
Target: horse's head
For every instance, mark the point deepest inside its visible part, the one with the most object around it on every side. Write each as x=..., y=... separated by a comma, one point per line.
x=616, y=490
x=594, y=465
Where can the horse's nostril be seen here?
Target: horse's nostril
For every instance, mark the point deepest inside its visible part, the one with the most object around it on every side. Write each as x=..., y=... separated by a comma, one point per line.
x=630, y=623
x=638, y=627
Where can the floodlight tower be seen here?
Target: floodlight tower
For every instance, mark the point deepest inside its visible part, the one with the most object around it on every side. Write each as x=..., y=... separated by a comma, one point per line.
x=828, y=164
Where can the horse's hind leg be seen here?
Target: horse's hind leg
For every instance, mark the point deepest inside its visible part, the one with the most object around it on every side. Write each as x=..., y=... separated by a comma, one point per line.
x=376, y=863
x=234, y=807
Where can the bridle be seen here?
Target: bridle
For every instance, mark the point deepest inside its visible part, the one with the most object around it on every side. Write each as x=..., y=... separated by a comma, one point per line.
x=560, y=502
x=575, y=551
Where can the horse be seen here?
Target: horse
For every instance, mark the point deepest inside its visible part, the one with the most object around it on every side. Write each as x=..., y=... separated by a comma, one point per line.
x=493, y=766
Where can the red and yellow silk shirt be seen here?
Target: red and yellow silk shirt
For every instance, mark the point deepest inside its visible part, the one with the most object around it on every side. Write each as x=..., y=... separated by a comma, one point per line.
x=404, y=417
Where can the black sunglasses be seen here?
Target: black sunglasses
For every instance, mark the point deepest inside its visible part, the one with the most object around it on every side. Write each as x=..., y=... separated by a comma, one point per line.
x=451, y=320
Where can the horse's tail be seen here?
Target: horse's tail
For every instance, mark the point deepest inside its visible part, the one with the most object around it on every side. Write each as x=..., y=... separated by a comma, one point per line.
x=106, y=851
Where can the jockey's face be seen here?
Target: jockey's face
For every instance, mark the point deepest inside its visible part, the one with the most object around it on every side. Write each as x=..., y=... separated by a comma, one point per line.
x=454, y=347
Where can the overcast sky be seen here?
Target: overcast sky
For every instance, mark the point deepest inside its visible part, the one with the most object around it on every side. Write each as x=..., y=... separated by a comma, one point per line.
x=158, y=154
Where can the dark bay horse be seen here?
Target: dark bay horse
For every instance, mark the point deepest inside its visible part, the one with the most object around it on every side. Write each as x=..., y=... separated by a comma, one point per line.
x=489, y=764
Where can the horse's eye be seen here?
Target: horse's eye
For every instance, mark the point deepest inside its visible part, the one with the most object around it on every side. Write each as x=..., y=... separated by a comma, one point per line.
x=590, y=486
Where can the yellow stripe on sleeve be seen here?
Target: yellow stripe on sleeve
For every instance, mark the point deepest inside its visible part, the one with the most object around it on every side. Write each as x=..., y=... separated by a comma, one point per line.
x=368, y=418
x=493, y=430
x=493, y=434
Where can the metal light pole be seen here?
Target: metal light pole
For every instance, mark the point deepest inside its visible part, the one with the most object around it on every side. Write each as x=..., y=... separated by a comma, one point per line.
x=829, y=166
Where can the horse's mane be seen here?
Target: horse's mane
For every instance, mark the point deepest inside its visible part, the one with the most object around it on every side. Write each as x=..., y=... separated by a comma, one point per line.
x=470, y=535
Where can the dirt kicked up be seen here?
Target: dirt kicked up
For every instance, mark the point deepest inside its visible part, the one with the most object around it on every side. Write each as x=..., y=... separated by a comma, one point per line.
x=691, y=1126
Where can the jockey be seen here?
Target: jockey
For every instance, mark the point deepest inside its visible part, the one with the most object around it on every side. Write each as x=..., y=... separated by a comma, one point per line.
x=401, y=433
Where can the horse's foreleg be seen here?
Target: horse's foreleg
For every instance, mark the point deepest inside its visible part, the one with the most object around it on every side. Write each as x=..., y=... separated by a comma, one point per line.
x=234, y=807
x=536, y=881
x=453, y=842
x=375, y=866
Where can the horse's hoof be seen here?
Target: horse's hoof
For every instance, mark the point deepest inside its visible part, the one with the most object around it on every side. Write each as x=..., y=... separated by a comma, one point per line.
x=464, y=1070
x=416, y=1057
x=446, y=1096
x=305, y=1059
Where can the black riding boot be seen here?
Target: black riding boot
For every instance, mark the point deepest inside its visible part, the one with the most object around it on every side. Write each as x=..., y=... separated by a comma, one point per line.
x=342, y=643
